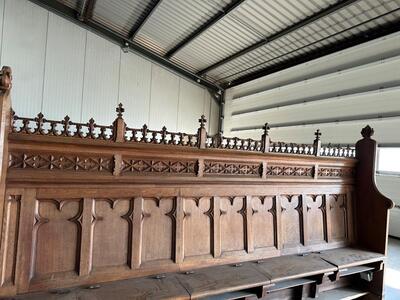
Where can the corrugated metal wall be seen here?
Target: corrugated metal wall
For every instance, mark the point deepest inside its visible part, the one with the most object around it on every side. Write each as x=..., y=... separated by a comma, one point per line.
x=360, y=81
x=363, y=80
x=60, y=68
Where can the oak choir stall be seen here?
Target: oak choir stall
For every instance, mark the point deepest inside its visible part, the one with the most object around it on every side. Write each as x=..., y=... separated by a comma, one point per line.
x=113, y=212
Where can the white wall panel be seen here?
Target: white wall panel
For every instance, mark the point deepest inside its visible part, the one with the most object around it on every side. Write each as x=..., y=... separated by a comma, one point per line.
x=164, y=99
x=372, y=103
x=191, y=106
x=214, y=115
x=101, y=80
x=60, y=68
x=348, y=81
x=342, y=133
x=134, y=89
x=63, y=76
x=24, y=49
x=2, y=4
x=390, y=187
x=359, y=81
x=207, y=108
x=356, y=56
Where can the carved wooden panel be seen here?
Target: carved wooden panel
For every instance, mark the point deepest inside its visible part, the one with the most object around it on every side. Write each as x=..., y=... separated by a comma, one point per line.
x=292, y=221
x=316, y=218
x=198, y=226
x=11, y=220
x=112, y=232
x=232, y=168
x=332, y=172
x=60, y=162
x=337, y=206
x=145, y=166
x=159, y=223
x=290, y=171
x=57, y=235
x=264, y=221
x=233, y=223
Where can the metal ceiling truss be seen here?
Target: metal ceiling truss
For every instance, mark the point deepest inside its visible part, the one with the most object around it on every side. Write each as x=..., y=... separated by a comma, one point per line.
x=218, y=16
x=143, y=18
x=317, y=53
x=84, y=18
x=331, y=9
x=80, y=19
x=87, y=7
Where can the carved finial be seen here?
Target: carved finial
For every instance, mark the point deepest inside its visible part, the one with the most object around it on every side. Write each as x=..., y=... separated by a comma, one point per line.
x=5, y=79
x=318, y=135
x=266, y=128
x=202, y=121
x=67, y=119
x=120, y=110
x=164, y=129
x=367, y=132
x=144, y=130
x=317, y=143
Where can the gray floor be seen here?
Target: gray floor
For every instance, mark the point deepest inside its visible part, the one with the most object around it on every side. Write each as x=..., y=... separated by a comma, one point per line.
x=392, y=276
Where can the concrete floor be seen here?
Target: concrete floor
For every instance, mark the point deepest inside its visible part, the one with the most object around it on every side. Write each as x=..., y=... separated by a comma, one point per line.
x=392, y=276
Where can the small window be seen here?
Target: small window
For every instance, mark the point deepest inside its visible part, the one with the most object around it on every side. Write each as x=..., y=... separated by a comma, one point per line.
x=389, y=160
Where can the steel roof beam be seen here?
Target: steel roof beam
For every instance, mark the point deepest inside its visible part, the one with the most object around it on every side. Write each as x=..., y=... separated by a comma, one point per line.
x=121, y=40
x=327, y=11
x=150, y=9
x=198, y=31
x=87, y=8
x=338, y=46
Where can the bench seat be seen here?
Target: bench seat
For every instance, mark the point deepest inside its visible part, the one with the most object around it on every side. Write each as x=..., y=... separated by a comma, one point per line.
x=249, y=280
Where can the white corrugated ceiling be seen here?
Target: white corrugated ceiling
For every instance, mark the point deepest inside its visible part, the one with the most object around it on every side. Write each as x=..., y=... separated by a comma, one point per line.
x=231, y=41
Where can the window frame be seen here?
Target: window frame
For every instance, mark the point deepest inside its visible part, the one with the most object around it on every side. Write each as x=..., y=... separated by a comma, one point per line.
x=384, y=172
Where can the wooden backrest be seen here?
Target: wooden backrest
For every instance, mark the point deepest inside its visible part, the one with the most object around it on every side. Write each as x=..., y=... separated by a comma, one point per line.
x=85, y=203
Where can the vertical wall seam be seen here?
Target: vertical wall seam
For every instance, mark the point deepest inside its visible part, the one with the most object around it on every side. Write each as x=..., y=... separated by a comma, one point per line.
x=119, y=77
x=84, y=74
x=177, y=108
x=45, y=60
x=2, y=31
x=151, y=84
x=209, y=112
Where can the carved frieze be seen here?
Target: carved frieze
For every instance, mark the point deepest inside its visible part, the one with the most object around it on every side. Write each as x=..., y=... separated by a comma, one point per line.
x=290, y=171
x=232, y=168
x=334, y=172
x=60, y=162
x=138, y=166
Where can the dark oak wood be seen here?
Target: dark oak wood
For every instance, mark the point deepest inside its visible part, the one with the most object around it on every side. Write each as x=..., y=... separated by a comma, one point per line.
x=82, y=204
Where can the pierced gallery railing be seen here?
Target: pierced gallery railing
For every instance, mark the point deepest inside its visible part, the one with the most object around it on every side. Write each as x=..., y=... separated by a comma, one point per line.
x=40, y=125
x=120, y=132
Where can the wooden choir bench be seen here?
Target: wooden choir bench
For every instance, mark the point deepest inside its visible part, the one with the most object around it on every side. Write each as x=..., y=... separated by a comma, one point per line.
x=113, y=212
